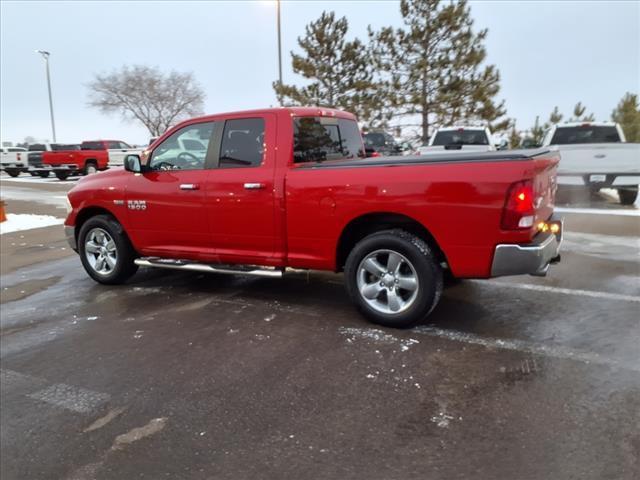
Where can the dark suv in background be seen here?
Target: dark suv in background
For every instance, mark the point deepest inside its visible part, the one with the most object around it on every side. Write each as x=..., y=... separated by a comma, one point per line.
x=382, y=144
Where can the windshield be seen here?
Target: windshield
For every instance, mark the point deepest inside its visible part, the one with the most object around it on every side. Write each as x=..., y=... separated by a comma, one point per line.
x=316, y=139
x=585, y=134
x=461, y=137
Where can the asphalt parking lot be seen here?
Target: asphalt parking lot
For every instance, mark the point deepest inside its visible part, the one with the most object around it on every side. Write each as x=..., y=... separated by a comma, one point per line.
x=190, y=376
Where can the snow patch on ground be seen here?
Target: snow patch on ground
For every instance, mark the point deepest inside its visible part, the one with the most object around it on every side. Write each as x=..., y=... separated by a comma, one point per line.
x=26, y=221
x=377, y=336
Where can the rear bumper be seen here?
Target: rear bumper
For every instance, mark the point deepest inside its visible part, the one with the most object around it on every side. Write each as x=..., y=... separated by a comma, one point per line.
x=532, y=258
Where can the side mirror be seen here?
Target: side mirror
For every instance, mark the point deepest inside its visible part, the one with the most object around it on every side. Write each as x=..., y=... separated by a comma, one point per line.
x=132, y=163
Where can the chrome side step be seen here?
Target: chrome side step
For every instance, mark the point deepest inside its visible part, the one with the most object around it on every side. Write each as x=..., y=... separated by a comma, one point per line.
x=205, y=267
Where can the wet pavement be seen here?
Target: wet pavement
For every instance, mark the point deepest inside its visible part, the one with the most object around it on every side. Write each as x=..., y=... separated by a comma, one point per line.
x=190, y=376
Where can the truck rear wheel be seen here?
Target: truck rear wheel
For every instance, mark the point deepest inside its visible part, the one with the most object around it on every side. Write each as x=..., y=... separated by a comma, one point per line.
x=90, y=167
x=105, y=250
x=43, y=174
x=627, y=196
x=393, y=278
x=12, y=173
x=62, y=175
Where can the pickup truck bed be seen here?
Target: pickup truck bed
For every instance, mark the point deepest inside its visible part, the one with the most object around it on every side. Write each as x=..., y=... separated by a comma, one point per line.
x=289, y=187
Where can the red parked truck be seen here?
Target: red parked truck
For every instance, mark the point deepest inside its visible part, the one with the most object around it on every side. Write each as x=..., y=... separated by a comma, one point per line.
x=68, y=160
x=256, y=192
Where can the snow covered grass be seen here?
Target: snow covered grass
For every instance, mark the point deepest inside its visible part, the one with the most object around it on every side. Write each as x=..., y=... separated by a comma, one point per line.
x=26, y=221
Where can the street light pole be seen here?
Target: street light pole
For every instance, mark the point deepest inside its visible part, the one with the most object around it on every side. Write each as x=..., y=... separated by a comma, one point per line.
x=279, y=46
x=45, y=55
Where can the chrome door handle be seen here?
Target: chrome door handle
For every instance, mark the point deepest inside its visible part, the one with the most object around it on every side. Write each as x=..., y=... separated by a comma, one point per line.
x=189, y=186
x=253, y=186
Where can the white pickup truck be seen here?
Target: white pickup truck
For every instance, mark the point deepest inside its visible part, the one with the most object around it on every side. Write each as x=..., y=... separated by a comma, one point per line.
x=13, y=158
x=595, y=154
x=460, y=138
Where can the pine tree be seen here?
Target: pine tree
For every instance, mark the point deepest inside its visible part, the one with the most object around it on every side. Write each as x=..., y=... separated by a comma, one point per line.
x=340, y=72
x=537, y=132
x=627, y=114
x=433, y=68
x=555, y=116
x=515, y=139
x=579, y=116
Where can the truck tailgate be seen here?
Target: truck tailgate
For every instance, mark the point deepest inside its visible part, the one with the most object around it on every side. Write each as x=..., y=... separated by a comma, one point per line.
x=599, y=158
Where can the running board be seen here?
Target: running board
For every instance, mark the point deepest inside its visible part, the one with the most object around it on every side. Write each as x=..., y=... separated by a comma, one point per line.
x=205, y=267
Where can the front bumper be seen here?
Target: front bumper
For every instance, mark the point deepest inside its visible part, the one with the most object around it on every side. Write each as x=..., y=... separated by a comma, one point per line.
x=70, y=233
x=532, y=258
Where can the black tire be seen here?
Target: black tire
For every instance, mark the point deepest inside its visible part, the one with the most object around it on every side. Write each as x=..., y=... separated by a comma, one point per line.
x=33, y=174
x=627, y=196
x=13, y=173
x=125, y=266
x=62, y=175
x=424, y=263
x=90, y=167
x=43, y=174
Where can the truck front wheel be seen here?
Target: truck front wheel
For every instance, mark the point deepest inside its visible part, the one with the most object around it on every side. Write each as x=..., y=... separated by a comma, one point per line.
x=627, y=195
x=105, y=250
x=62, y=175
x=393, y=278
x=43, y=174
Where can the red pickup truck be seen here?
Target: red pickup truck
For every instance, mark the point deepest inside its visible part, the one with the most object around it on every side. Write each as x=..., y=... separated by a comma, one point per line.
x=69, y=160
x=256, y=192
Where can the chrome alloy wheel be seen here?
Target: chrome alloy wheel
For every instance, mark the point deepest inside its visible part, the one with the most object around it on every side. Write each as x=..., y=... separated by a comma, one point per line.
x=387, y=281
x=100, y=251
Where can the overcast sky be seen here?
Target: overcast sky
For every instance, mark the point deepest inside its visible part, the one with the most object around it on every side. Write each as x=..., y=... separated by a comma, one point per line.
x=548, y=53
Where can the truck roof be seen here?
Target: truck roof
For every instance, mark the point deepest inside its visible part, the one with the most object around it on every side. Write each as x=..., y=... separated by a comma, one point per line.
x=293, y=111
x=461, y=127
x=590, y=124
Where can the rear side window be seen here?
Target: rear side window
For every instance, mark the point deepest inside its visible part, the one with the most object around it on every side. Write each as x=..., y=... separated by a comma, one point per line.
x=585, y=134
x=63, y=147
x=316, y=139
x=461, y=137
x=37, y=147
x=242, y=143
x=93, y=146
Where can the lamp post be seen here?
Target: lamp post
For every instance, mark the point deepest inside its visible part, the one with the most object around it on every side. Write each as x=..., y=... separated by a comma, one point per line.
x=45, y=55
x=279, y=45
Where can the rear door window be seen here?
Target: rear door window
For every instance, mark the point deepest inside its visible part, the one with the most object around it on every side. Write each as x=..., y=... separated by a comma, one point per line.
x=316, y=139
x=242, y=143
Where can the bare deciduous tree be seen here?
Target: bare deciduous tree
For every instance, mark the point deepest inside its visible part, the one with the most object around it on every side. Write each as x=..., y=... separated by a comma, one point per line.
x=144, y=93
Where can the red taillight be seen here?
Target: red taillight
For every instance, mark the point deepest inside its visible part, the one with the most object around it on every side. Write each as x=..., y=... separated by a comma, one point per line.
x=375, y=154
x=18, y=156
x=519, y=210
